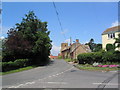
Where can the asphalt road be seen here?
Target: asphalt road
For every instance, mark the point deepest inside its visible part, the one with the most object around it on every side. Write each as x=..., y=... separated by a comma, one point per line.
x=60, y=74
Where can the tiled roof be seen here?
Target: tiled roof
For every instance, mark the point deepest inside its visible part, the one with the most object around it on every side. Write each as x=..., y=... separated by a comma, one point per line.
x=53, y=56
x=112, y=30
x=66, y=48
x=74, y=46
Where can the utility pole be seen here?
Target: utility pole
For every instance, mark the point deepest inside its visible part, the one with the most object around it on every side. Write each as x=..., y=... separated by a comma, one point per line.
x=70, y=41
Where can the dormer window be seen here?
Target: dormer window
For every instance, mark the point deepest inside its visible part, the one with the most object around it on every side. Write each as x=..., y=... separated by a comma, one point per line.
x=111, y=35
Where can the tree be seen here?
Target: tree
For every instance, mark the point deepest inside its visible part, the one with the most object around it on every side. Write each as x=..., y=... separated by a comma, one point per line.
x=98, y=47
x=29, y=39
x=117, y=41
x=91, y=44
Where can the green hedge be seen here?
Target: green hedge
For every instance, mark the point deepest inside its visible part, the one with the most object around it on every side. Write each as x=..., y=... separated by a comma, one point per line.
x=100, y=57
x=19, y=63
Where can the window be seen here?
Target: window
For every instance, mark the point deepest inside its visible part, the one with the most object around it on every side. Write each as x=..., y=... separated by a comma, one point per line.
x=112, y=35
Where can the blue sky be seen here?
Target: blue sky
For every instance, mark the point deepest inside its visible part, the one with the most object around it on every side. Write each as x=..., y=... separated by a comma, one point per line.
x=81, y=20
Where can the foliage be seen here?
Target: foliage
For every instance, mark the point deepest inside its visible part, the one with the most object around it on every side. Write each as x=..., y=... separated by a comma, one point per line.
x=17, y=70
x=29, y=39
x=59, y=57
x=91, y=68
x=69, y=60
x=99, y=57
x=93, y=46
x=85, y=58
x=117, y=41
x=110, y=47
x=7, y=66
x=98, y=47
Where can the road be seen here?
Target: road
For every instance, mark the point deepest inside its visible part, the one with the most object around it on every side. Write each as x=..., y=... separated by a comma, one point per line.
x=60, y=74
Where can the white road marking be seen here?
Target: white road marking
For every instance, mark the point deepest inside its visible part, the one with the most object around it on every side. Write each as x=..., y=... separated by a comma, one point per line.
x=54, y=82
x=30, y=83
x=11, y=87
x=107, y=83
x=43, y=79
x=57, y=82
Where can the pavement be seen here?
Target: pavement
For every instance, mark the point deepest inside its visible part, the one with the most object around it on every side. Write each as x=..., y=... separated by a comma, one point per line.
x=60, y=74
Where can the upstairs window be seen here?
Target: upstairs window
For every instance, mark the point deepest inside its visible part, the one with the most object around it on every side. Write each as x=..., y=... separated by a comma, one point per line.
x=112, y=35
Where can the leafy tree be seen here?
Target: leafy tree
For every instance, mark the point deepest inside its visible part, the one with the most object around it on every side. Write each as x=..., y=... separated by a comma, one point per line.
x=98, y=47
x=29, y=39
x=91, y=44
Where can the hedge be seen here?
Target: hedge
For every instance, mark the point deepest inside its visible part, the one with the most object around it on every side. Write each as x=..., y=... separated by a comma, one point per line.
x=100, y=57
x=19, y=63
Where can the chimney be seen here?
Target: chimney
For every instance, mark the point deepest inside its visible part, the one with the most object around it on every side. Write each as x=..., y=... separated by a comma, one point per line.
x=77, y=40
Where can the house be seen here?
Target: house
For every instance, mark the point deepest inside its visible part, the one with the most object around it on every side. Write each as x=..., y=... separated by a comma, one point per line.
x=53, y=57
x=109, y=35
x=73, y=50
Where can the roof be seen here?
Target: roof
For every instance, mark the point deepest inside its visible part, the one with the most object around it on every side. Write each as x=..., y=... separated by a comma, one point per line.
x=66, y=48
x=53, y=56
x=112, y=30
x=74, y=46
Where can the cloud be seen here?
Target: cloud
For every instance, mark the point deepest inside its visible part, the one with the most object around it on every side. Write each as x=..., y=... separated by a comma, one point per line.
x=2, y=37
x=5, y=30
x=67, y=41
x=116, y=23
x=64, y=31
x=55, y=49
x=85, y=42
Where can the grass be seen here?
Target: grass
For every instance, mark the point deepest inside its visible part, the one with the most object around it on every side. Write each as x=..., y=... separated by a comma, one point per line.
x=68, y=60
x=17, y=70
x=91, y=68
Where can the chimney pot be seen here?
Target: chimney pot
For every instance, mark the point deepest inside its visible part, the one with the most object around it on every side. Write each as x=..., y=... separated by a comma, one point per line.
x=77, y=40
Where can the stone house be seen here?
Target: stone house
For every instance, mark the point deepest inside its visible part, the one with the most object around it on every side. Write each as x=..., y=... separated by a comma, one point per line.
x=73, y=50
x=109, y=35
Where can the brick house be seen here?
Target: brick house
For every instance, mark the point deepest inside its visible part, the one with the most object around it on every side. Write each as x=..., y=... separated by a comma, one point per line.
x=73, y=50
x=109, y=35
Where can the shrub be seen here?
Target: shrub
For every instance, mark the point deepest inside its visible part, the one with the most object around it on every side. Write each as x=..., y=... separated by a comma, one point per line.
x=19, y=63
x=110, y=47
x=85, y=58
x=99, y=57
x=59, y=57
x=108, y=57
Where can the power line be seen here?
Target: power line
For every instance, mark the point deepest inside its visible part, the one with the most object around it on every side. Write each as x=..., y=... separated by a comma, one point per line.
x=59, y=19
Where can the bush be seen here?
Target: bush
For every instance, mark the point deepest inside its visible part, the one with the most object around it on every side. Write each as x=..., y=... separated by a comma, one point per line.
x=110, y=47
x=99, y=57
x=85, y=58
x=59, y=57
x=108, y=57
x=19, y=63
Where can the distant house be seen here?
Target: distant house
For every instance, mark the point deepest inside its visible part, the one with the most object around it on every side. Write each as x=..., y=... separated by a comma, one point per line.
x=73, y=50
x=53, y=57
x=109, y=35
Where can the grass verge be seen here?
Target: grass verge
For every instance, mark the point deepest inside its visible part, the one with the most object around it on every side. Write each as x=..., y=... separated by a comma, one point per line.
x=17, y=70
x=91, y=68
x=68, y=60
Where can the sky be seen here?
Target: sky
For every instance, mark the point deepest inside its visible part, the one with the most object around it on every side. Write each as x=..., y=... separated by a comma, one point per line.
x=80, y=20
